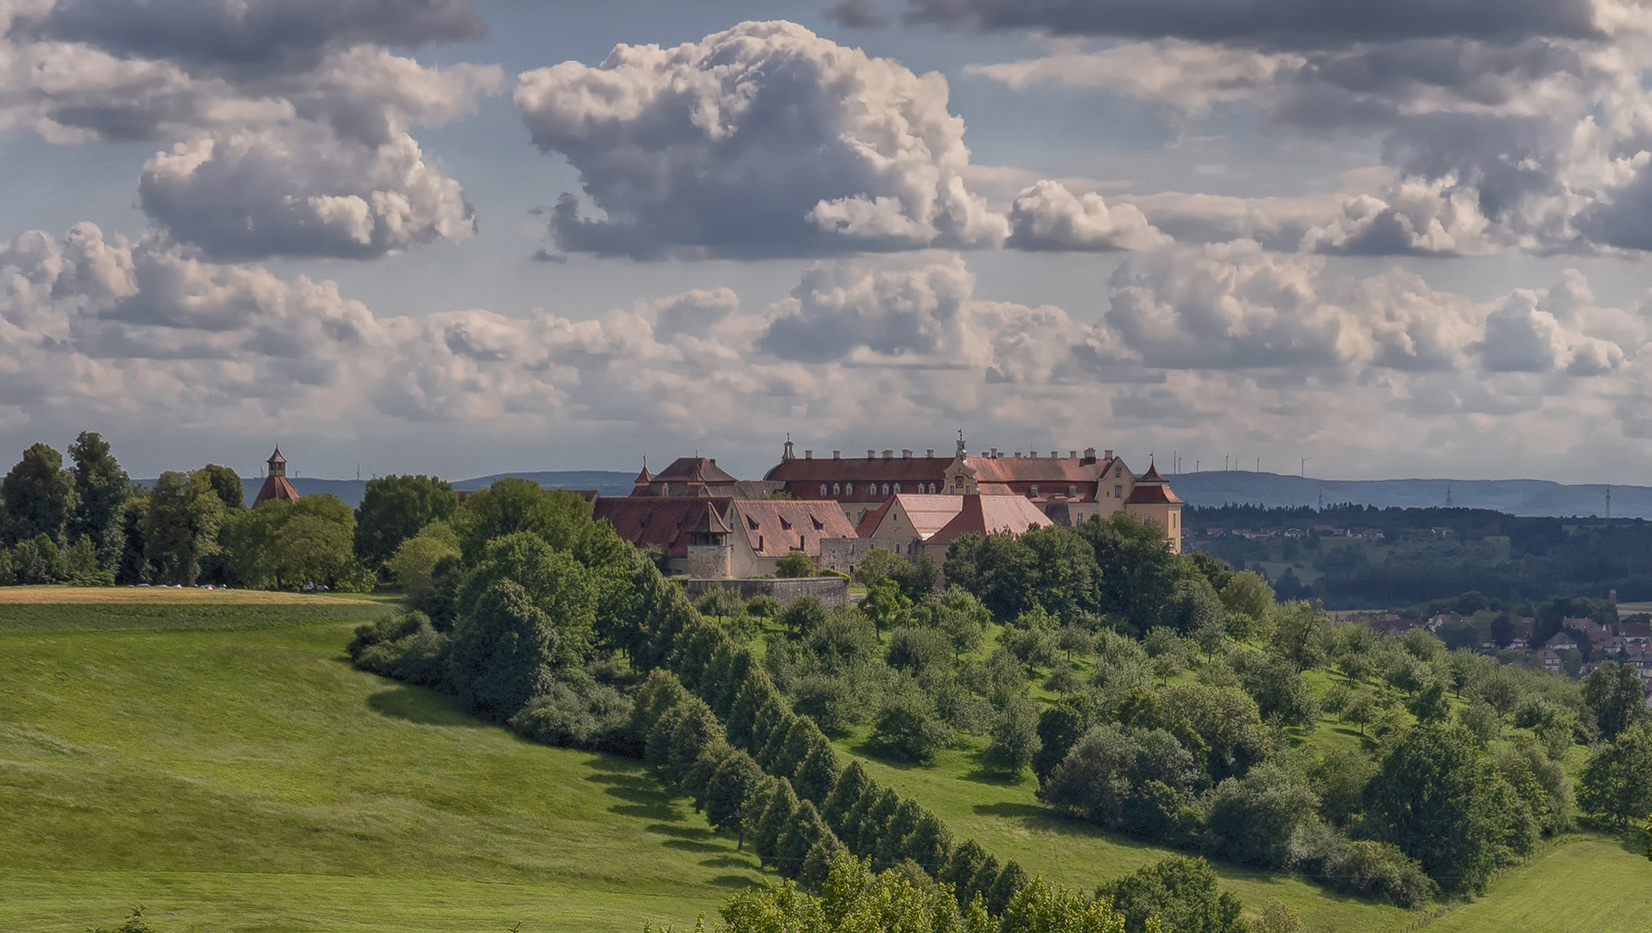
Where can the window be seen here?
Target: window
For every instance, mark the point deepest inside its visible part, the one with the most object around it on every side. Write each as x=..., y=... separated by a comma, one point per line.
x=822, y=490
x=848, y=489
x=835, y=488
x=1118, y=472
x=1072, y=492
x=897, y=489
x=665, y=489
x=886, y=489
x=1034, y=493
x=1118, y=492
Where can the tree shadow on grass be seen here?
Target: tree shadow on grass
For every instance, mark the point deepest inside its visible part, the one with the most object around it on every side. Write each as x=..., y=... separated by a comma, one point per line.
x=737, y=882
x=689, y=845
x=866, y=748
x=727, y=861
x=425, y=707
x=982, y=775
x=643, y=799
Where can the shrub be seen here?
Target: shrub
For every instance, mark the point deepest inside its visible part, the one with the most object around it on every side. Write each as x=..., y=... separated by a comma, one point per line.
x=1181, y=893
x=906, y=727
x=795, y=564
x=1252, y=819
x=804, y=615
x=831, y=701
x=1380, y=871
x=763, y=606
x=403, y=647
x=591, y=716
x=915, y=649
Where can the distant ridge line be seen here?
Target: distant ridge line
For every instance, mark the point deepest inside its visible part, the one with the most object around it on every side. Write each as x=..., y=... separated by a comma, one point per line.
x=1525, y=497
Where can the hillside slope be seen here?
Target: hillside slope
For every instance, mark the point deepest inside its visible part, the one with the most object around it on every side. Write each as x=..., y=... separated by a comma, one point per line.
x=1513, y=496
x=252, y=779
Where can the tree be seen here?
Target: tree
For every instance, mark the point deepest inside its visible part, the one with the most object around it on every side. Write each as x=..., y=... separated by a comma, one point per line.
x=560, y=518
x=1616, y=696
x=226, y=483
x=1014, y=739
x=885, y=605
x=1302, y=634
x=1181, y=893
x=38, y=496
x=1617, y=783
x=906, y=726
x=729, y=795
x=851, y=784
x=395, y=508
x=525, y=613
x=774, y=821
x=309, y=549
x=1252, y=819
x=998, y=569
x=101, y=490
x=795, y=564
x=1136, y=571
x=1247, y=595
x=1043, y=907
x=1436, y=798
x=413, y=566
x=181, y=526
x=1430, y=703
x=1059, y=729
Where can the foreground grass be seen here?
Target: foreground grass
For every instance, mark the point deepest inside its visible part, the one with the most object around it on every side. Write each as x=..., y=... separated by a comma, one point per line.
x=252, y=780
x=1588, y=885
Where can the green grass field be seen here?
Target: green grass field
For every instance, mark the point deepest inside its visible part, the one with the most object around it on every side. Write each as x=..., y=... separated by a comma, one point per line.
x=41, y=609
x=251, y=779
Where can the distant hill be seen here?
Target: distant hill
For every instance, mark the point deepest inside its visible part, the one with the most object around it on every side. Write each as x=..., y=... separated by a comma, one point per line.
x=1512, y=496
x=606, y=482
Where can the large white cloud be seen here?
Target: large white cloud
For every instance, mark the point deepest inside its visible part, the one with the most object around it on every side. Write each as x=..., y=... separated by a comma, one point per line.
x=764, y=139
x=288, y=123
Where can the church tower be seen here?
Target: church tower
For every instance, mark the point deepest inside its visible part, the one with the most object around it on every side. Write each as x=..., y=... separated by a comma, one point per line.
x=276, y=485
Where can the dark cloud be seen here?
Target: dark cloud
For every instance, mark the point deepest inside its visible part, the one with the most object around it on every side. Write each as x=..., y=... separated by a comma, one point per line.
x=253, y=35
x=857, y=14
x=1273, y=23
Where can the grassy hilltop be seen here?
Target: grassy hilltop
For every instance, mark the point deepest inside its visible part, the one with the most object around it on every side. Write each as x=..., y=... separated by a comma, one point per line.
x=193, y=752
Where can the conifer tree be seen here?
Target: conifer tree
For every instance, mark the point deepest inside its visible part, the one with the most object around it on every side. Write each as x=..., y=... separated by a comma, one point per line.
x=697, y=779
x=731, y=678
x=845, y=794
x=817, y=772
x=857, y=815
x=1009, y=883
x=985, y=877
x=929, y=844
x=661, y=691
x=876, y=823
x=805, y=830
x=770, y=716
x=800, y=740
x=657, y=746
x=732, y=795
x=818, y=863
x=748, y=701
x=776, y=818
x=961, y=868
x=695, y=730
x=891, y=846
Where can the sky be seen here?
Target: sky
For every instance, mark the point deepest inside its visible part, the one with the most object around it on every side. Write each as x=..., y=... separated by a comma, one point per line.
x=1378, y=240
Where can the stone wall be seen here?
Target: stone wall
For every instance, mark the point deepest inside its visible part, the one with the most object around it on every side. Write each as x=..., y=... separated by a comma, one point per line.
x=833, y=591
x=844, y=554
x=711, y=561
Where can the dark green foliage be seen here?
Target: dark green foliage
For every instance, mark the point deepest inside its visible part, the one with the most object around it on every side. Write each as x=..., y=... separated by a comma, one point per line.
x=907, y=727
x=785, y=757
x=225, y=482
x=1137, y=572
x=985, y=877
x=404, y=647
x=1181, y=892
x=695, y=731
x=854, y=820
x=847, y=790
x=875, y=824
x=587, y=715
x=831, y=700
x=753, y=691
x=1252, y=819
x=1430, y=704
x=731, y=793
x=890, y=847
x=818, y=863
x=37, y=497
x=763, y=606
x=1338, y=779
x=1014, y=741
x=658, y=693
x=917, y=649
x=1005, y=887
x=1617, y=783
x=929, y=844
x=395, y=508
x=1277, y=686
x=998, y=569
x=511, y=505
x=845, y=640
x=962, y=866
x=1059, y=729
x=795, y=564
x=776, y=818
x=525, y=613
x=101, y=490
x=1382, y=872
x=180, y=527
x=805, y=829
x=696, y=782
x=656, y=751
x=1102, y=776
x=1616, y=697
x=771, y=717
x=1438, y=800
x=817, y=772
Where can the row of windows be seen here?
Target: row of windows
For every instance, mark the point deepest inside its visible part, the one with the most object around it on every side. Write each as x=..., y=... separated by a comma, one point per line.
x=848, y=489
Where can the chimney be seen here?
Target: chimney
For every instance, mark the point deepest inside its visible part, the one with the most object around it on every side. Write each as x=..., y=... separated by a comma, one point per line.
x=995, y=453
x=1072, y=455
x=906, y=454
x=713, y=461
x=929, y=452
x=1018, y=455
x=1107, y=455
x=808, y=455
x=1055, y=455
x=889, y=455
x=870, y=454
x=837, y=454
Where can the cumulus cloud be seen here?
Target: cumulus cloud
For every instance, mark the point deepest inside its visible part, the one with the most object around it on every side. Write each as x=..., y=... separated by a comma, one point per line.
x=764, y=139
x=1048, y=216
x=288, y=124
x=1504, y=126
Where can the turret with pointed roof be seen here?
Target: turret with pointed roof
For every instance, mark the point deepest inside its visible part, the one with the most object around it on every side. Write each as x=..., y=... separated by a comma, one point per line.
x=1152, y=498
x=276, y=485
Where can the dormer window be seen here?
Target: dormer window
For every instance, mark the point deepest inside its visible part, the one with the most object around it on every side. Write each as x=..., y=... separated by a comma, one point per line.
x=897, y=489
x=822, y=490
x=886, y=489
x=1034, y=493
x=848, y=489
x=1072, y=492
x=835, y=488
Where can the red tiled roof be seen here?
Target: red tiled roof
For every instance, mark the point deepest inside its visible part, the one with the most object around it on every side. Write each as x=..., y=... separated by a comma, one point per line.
x=276, y=487
x=711, y=522
x=656, y=520
x=859, y=470
x=693, y=469
x=276, y=457
x=776, y=527
x=990, y=515
x=1152, y=489
x=1055, y=470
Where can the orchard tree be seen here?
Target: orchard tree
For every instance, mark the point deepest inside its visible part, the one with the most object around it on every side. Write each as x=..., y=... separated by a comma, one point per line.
x=395, y=508
x=1615, y=694
x=39, y=497
x=1617, y=783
